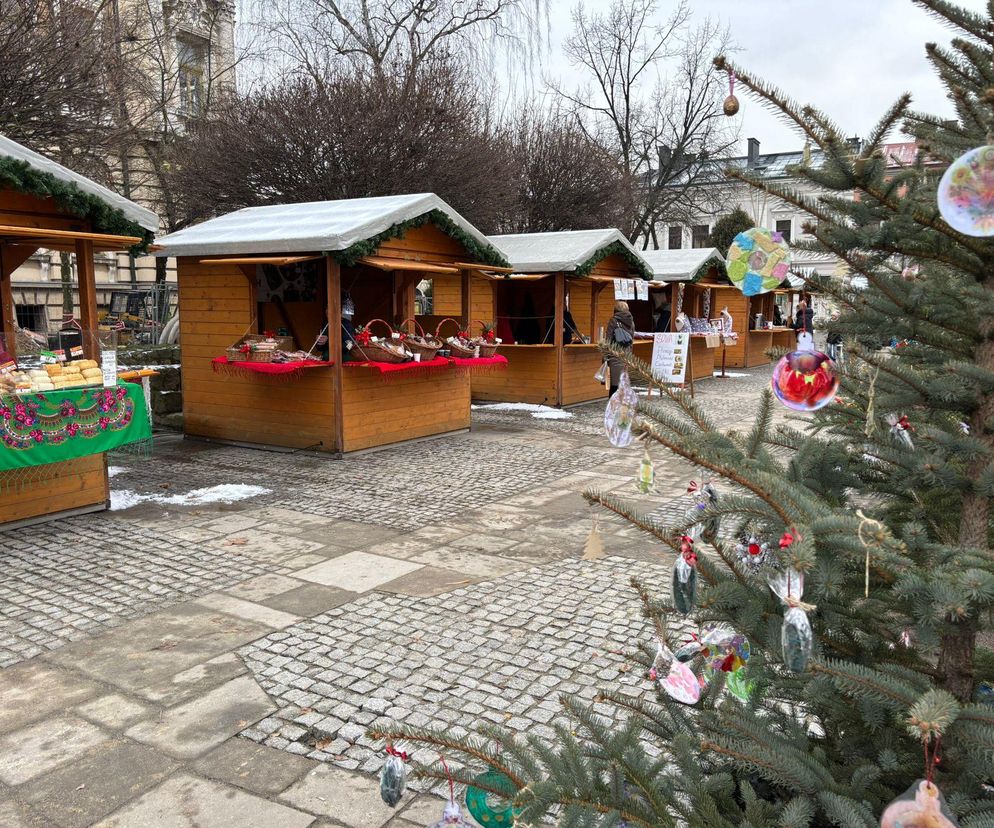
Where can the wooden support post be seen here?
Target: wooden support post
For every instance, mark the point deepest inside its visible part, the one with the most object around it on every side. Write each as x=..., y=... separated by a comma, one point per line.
x=466, y=295
x=595, y=292
x=86, y=282
x=334, y=279
x=557, y=334
x=7, y=316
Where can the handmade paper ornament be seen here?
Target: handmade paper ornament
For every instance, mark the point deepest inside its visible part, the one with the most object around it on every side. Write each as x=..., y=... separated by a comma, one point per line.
x=488, y=808
x=758, y=261
x=452, y=817
x=393, y=777
x=966, y=193
x=752, y=552
x=620, y=413
x=921, y=806
x=679, y=681
x=900, y=431
x=805, y=379
x=685, y=577
x=647, y=474
x=796, y=636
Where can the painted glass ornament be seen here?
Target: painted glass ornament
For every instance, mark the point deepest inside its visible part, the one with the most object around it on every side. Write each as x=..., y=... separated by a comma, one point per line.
x=393, y=777
x=966, y=193
x=805, y=379
x=685, y=577
x=921, y=806
x=724, y=650
x=758, y=261
x=647, y=474
x=487, y=808
x=900, y=431
x=796, y=636
x=452, y=817
x=679, y=682
x=752, y=552
x=620, y=413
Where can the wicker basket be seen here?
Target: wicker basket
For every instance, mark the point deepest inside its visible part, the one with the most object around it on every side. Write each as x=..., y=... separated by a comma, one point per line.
x=459, y=347
x=487, y=348
x=380, y=352
x=235, y=353
x=420, y=343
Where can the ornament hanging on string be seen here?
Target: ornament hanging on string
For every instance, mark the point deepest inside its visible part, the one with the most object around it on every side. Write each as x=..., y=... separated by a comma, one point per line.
x=704, y=496
x=724, y=650
x=922, y=804
x=488, y=808
x=752, y=552
x=758, y=261
x=685, y=577
x=731, y=105
x=593, y=549
x=805, y=379
x=620, y=413
x=796, y=636
x=966, y=193
x=900, y=431
x=647, y=474
x=393, y=776
x=675, y=678
x=452, y=814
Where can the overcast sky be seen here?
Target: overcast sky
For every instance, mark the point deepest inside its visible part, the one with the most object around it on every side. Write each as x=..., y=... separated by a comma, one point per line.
x=850, y=58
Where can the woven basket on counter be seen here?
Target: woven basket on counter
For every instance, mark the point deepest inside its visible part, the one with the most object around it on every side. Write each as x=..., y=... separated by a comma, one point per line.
x=420, y=343
x=458, y=346
x=236, y=353
x=387, y=350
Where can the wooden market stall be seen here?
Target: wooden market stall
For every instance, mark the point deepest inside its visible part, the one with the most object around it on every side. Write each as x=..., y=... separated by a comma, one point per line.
x=686, y=291
x=290, y=270
x=551, y=312
x=56, y=423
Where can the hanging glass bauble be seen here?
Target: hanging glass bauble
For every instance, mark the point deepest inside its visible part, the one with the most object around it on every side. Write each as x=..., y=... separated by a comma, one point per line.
x=620, y=413
x=647, y=474
x=488, y=808
x=452, y=817
x=758, y=261
x=966, y=193
x=724, y=649
x=921, y=806
x=805, y=379
x=393, y=779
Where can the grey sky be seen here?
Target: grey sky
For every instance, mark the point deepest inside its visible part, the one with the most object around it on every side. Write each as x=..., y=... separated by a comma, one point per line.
x=851, y=58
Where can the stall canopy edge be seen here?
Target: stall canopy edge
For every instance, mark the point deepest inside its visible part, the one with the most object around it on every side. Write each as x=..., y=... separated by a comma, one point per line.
x=685, y=265
x=575, y=252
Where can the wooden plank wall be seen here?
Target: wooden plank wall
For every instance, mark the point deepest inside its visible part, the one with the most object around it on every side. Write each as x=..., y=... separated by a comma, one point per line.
x=738, y=306
x=74, y=484
x=580, y=363
x=215, y=311
x=530, y=376
x=382, y=409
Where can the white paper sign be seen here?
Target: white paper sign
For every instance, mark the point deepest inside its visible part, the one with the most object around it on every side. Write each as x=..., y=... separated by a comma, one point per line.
x=642, y=290
x=670, y=353
x=624, y=289
x=108, y=364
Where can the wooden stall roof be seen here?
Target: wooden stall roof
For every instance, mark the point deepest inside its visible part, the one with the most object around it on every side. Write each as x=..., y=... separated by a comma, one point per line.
x=685, y=265
x=63, y=239
x=327, y=226
x=566, y=251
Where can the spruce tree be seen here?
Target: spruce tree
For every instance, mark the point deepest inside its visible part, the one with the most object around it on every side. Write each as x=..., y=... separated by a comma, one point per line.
x=728, y=227
x=892, y=534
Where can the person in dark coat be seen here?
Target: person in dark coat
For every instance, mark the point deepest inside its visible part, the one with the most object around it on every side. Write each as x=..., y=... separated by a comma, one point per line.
x=663, y=320
x=621, y=332
x=804, y=319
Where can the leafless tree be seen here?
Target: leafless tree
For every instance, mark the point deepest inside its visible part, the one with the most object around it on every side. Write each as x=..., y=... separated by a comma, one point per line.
x=664, y=130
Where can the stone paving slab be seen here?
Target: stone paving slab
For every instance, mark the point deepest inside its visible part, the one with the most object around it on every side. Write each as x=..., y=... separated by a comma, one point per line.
x=25, y=754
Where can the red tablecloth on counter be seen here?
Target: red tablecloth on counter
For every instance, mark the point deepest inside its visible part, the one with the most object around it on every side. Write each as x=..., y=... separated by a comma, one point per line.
x=436, y=364
x=496, y=361
x=286, y=370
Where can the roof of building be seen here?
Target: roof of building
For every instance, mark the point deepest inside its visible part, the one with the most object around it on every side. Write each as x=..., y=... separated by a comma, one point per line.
x=131, y=211
x=684, y=265
x=311, y=226
x=567, y=250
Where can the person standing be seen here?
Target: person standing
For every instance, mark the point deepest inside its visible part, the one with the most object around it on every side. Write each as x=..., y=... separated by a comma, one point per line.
x=620, y=332
x=804, y=318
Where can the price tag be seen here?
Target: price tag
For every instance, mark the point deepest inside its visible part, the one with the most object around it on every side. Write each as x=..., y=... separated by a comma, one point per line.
x=108, y=364
x=76, y=352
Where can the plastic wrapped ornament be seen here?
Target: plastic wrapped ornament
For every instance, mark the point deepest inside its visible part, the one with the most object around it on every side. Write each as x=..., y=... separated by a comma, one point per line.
x=647, y=474
x=685, y=577
x=758, y=261
x=393, y=777
x=966, y=193
x=724, y=650
x=805, y=379
x=900, y=431
x=921, y=806
x=487, y=808
x=679, y=681
x=752, y=552
x=452, y=817
x=704, y=496
x=620, y=413
x=731, y=106
x=796, y=636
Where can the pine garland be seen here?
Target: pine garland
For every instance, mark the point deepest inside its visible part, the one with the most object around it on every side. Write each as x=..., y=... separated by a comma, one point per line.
x=103, y=218
x=485, y=253
x=612, y=249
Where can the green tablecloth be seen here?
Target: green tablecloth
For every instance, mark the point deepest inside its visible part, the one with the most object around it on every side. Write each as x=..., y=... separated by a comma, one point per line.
x=50, y=427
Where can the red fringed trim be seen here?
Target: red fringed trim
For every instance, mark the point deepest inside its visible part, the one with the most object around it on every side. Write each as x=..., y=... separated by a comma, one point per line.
x=430, y=367
x=492, y=363
x=279, y=371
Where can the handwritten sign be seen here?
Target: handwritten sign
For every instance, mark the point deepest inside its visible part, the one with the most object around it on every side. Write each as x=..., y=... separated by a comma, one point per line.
x=670, y=354
x=642, y=290
x=624, y=289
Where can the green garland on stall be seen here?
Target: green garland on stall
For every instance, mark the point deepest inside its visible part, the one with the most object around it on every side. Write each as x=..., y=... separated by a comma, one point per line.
x=486, y=253
x=706, y=265
x=103, y=218
x=615, y=247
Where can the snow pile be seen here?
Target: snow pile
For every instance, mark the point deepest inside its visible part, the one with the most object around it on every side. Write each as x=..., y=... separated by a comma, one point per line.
x=540, y=412
x=114, y=471
x=225, y=493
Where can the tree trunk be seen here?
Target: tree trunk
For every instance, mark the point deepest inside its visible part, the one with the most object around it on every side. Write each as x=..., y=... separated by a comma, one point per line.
x=160, y=270
x=65, y=268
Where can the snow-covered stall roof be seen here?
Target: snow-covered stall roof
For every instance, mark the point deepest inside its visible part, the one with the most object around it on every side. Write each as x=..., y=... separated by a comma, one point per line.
x=563, y=251
x=685, y=265
x=131, y=211
x=310, y=226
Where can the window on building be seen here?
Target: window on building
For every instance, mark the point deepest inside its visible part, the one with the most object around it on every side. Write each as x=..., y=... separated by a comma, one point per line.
x=699, y=235
x=784, y=228
x=191, y=57
x=674, y=238
x=32, y=317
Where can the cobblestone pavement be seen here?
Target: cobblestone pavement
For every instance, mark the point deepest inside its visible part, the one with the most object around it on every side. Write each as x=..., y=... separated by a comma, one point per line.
x=218, y=664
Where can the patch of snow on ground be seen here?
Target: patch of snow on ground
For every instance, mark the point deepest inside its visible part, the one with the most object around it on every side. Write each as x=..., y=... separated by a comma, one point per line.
x=114, y=471
x=730, y=374
x=225, y=493
x=541, y=412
